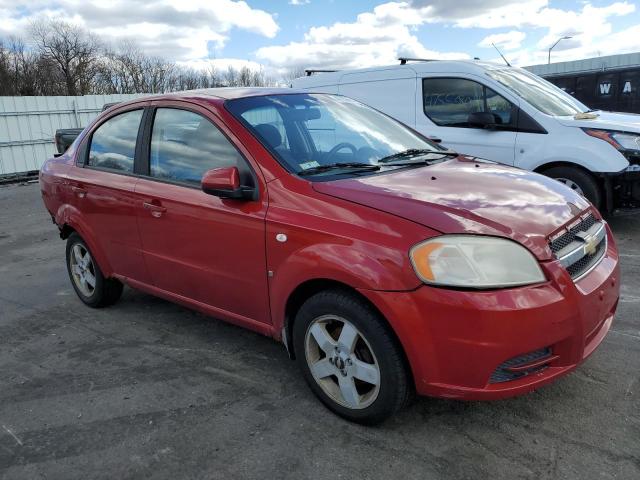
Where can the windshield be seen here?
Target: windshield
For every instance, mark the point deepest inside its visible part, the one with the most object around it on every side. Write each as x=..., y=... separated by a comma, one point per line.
x=539, y=93
x=308, y=131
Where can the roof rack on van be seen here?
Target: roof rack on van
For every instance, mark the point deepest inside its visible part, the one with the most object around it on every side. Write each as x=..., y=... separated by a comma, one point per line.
x=310, y=72
x=404, y=60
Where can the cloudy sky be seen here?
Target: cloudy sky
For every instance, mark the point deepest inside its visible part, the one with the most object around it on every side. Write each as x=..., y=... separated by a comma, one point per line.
x=281, y=34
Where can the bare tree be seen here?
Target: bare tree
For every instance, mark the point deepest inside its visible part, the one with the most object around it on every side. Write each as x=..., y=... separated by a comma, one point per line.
x=291, y=74
x=64, y=59
x=73, y=51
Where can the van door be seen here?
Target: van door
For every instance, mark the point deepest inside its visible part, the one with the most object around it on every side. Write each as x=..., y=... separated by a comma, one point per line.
x=445, y=105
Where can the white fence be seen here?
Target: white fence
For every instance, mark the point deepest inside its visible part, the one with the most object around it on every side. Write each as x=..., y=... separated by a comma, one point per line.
x=28, y=125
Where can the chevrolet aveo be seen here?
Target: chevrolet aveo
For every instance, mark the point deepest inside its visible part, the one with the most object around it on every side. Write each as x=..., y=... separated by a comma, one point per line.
x=386, y=264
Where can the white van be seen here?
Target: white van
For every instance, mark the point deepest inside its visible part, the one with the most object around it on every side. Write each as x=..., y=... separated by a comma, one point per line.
x=505, y=114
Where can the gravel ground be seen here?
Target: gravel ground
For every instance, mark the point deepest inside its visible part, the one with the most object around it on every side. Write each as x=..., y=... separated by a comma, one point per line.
x=147, y=389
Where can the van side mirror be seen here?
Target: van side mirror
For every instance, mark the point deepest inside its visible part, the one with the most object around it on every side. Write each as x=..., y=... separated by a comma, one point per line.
x=225, y=183
x=481, y=120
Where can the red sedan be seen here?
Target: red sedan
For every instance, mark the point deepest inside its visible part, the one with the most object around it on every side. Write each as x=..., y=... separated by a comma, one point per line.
x=386, y=264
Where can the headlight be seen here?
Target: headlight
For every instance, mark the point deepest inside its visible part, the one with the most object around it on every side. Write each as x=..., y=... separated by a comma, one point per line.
x=474, y=261
x=620, y=140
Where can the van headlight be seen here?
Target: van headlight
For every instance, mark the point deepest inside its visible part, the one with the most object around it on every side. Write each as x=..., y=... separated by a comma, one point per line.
x=474, y=261
x=620, y=140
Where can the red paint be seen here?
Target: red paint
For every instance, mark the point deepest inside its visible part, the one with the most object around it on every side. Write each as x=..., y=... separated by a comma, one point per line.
x=214, y=254
x=221, y=179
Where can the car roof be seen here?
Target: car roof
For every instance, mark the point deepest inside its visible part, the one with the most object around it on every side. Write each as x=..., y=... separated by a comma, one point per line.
x=229, y=93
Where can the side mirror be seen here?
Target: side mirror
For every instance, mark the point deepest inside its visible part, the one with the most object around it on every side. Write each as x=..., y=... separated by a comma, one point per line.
x=481, y=120
x=225, y=183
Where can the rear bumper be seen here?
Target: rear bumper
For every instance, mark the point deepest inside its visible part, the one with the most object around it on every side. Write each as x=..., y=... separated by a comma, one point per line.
x=455, y=340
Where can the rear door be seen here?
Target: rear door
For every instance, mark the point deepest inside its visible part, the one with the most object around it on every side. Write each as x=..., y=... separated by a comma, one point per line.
x=103, y=191
x=198, y=246
x=444, y=107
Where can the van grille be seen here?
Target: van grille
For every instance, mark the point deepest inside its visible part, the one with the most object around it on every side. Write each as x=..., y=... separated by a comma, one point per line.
x=571, y=247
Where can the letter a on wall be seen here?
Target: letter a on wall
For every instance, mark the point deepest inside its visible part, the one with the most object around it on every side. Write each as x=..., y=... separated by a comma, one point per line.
x=627, y=87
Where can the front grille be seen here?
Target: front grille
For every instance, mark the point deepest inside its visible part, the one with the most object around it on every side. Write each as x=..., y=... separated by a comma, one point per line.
x=569, y=236
x=571, y=246
x=588, y=261
x=503, y=374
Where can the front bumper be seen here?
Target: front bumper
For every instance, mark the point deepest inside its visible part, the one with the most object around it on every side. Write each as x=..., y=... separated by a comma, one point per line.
x=455, y=340
x=622, y=189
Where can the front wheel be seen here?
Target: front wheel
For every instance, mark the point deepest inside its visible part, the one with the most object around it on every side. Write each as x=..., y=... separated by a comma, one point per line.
x=86, y=277
x=349, y=357
x=578, y=180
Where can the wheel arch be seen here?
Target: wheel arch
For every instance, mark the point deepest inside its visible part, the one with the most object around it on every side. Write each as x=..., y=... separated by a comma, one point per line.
x=562, y=163
x=70, y=220
x=307, y=289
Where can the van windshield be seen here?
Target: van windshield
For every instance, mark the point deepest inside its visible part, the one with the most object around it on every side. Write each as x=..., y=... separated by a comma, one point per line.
x=539, y=93
x=310, y=132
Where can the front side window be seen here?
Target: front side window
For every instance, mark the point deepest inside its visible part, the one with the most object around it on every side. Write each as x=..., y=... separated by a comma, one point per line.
x=306, y=131
x=184, y=145
x=448, y=102
x=113, y=144
x=539, y=93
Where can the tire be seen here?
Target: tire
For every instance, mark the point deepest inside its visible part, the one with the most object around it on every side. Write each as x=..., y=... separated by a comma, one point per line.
x=344, y=365
x=579, y=180
x=87, y=278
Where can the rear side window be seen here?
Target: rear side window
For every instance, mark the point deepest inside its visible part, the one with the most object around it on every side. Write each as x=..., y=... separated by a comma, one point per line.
x=184, y=145
x=449, y=101
x=113, y=144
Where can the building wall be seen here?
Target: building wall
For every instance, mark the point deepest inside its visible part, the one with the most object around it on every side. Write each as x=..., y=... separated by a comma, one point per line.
x=28, y=125
x=596, y=64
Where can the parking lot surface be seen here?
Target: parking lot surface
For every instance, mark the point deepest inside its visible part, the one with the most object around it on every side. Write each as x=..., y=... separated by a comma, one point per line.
x=148, y=389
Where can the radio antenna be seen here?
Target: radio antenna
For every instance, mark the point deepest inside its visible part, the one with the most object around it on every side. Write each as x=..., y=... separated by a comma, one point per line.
x=498, y=50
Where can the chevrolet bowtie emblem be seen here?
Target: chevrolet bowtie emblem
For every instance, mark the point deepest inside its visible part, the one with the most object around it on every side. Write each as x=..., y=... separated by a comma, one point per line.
x=590, y=242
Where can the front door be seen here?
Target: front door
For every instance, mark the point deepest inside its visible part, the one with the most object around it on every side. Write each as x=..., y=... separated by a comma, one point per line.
x=445, y=105
x=198, y=246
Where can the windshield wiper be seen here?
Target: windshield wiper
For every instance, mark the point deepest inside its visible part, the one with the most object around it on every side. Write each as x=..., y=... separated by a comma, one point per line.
x=339, y=166
x=415, y=152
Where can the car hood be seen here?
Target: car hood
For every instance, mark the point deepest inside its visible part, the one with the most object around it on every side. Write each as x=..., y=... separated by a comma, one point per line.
x=467, y=195
x=625, y=122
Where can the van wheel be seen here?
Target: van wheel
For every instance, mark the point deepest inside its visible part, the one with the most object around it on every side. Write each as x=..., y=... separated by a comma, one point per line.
x=578, y=180
x=349, y=358
x=86, y=276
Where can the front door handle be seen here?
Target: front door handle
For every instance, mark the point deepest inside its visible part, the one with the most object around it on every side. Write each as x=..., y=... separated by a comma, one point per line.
x=79, y=191
x=435, y=139
x=155, y=210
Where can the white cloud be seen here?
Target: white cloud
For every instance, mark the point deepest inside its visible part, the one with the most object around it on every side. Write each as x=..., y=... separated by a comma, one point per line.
x=175, y=29
x=509, y=41
x=299, y=2
x=374, y=38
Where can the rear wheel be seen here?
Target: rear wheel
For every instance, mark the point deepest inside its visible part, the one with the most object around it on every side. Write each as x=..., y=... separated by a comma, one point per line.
x=349, y=357
x=579, y=181
x=87, y=278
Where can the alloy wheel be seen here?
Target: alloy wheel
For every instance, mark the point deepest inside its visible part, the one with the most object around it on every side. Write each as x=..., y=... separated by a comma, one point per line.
x=82, y=270
x=342, y=362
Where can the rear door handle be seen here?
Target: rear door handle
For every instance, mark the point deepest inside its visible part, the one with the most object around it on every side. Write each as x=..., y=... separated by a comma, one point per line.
x=79, y=191
x=156, y=210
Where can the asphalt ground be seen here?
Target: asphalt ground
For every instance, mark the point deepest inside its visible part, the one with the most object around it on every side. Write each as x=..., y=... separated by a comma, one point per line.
x=148, y=389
